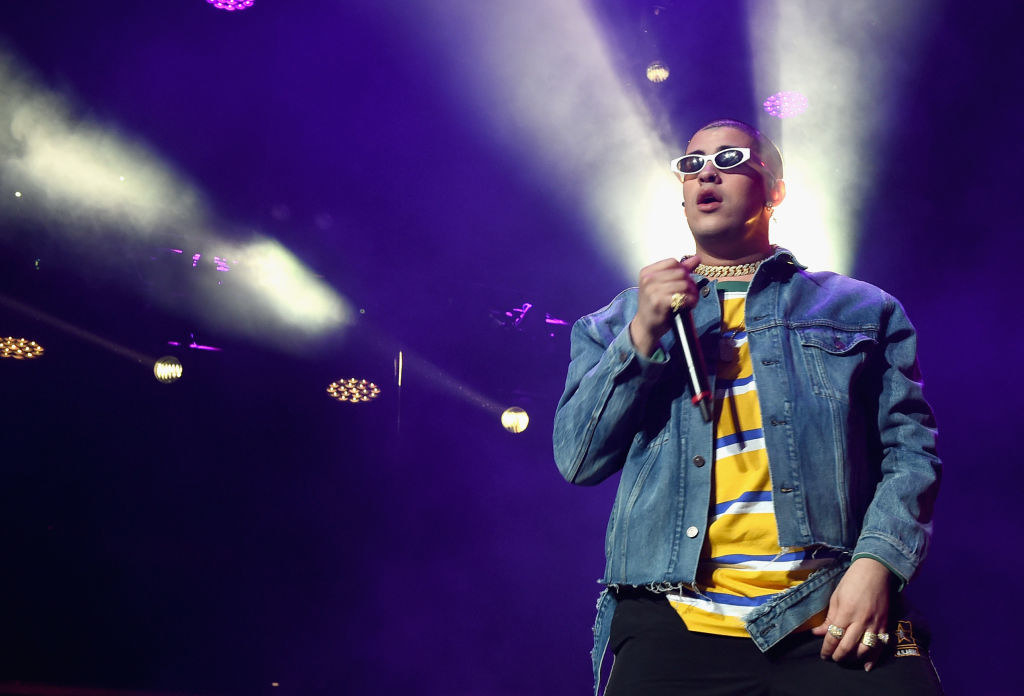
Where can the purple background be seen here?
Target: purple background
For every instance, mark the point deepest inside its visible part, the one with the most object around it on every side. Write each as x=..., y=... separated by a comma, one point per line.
x=239, y=528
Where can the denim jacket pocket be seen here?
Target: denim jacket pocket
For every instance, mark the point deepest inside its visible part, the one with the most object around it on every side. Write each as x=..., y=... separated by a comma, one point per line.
x=834, y=357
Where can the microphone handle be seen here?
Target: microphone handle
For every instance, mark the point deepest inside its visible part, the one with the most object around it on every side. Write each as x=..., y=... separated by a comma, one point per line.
x=686, y=332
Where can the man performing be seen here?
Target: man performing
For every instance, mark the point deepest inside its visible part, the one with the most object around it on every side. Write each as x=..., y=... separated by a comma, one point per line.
x=762, y=552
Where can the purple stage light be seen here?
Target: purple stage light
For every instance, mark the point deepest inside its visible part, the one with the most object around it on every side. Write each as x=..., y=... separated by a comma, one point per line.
x=231, y=5
x=220, y=263
x=785, y=104
x=193, y=346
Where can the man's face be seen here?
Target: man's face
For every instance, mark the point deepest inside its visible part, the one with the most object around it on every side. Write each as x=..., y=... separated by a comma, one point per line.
x=727, y=205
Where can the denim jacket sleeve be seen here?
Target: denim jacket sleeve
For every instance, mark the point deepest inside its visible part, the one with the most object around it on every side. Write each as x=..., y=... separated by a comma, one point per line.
x=898, y=523
x=597, y=416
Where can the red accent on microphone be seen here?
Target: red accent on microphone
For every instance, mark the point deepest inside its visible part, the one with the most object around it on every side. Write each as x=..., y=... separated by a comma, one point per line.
x=700, y=397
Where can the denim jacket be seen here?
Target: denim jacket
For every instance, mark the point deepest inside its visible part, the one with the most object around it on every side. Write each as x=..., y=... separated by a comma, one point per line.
x=850, y=438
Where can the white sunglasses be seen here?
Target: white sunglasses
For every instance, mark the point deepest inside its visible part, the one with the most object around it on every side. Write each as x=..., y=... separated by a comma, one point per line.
x=723, y=159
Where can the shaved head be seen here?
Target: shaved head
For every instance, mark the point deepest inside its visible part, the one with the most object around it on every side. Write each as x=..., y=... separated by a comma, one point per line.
x=765, y=148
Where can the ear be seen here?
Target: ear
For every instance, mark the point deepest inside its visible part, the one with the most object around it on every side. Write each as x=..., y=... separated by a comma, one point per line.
x=777, y=192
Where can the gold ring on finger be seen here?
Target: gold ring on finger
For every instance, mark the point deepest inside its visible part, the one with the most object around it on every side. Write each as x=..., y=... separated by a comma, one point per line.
x=678, y=301
x=883, y=638
x=836, y=631
x=869, y=639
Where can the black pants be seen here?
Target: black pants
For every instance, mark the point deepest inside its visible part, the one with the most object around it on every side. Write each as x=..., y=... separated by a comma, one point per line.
x=655, y=655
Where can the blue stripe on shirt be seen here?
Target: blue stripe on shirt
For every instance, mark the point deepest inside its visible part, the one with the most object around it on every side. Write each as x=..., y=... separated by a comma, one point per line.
x=723, y=598
x=805, y=555
x=748, y=497
x=722, y=383
x=742, y=558
x=742, y=436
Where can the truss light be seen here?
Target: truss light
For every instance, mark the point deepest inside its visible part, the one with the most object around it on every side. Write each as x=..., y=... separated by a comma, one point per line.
x=515, y=419
x=231, y=5
x=19, y=348
x=353, y=391
x=657, y=72
x=785, y=104
x=167, y=369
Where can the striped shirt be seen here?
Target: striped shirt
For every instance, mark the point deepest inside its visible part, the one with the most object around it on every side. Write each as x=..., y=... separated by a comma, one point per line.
x=742, y=565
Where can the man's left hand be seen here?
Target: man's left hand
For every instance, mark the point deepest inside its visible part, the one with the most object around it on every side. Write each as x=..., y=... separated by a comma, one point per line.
x=859, y=605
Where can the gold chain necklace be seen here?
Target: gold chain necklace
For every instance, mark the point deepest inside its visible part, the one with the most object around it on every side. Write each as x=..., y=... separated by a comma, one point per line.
x=729, y=271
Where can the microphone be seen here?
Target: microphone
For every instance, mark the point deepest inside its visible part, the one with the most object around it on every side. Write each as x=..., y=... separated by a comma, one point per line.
x=686, y=332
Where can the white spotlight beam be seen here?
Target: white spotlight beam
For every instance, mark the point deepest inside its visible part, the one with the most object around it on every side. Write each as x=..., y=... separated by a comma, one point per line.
x=279, y=289
x=547, y=89
x=847, y=58
x=79, y=174
x=98, y=187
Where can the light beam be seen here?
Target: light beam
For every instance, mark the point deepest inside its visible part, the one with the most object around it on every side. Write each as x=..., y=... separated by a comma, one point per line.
x=848, y=63
x=98, y=186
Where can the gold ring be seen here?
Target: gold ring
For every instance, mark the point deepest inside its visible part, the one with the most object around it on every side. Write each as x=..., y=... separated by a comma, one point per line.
x=869, y=639
x=883, y=638
x=678, y=301
x=836, y=631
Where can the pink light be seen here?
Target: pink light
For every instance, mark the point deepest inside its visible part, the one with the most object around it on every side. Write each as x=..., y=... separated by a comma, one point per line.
x=194, y=346
x=231, y=5
x=195, y=259
x=785, y=104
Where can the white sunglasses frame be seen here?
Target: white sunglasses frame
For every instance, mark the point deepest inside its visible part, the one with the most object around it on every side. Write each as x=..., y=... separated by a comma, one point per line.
x=745, y=151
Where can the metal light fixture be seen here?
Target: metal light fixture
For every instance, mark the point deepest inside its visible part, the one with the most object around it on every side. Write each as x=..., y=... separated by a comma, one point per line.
x=657, y=72
x=167, y=369
x=353, y=390
x=231, y=5
x=19, y=348
x=515, y=419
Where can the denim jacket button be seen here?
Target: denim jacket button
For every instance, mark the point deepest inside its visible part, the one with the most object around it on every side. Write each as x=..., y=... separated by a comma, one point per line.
x=692, y=532
x=698, y=460
x=705, y=291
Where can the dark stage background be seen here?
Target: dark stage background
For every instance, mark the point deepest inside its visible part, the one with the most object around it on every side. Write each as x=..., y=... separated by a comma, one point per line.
x=238, y=528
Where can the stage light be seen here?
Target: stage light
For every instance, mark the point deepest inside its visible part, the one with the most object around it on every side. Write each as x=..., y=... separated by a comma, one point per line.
x=231, y=5
x=846, y=64
x=19, y=348
x=194, y=346
x=515, y=419
x=167, y=369
x=353, y=391
x=657, y=72
x=785, y=104
x=92, y=184
x=286, y=290
x=525, y=107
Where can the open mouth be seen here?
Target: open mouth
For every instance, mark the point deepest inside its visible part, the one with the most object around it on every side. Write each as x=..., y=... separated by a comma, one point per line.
x=708, y=200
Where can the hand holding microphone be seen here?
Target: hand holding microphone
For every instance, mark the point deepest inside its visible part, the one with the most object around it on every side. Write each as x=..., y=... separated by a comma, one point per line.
x=666, y=291
x=686, y=332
